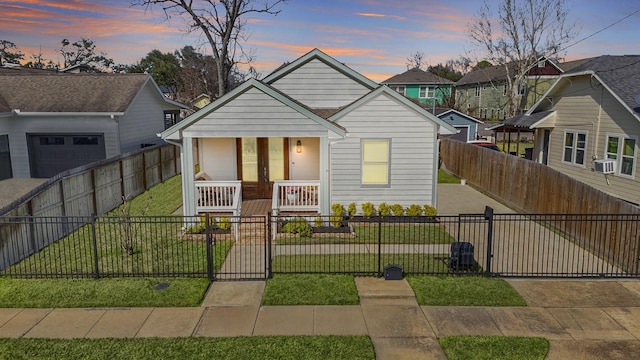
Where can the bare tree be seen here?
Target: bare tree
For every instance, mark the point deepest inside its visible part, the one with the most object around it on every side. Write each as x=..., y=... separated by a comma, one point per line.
x=417, y=61
x=222, y=23
x=517, y=33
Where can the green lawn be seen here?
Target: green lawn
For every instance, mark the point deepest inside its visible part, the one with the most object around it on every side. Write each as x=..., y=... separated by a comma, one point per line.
x=126, y=292
x=363, y=264
x=464, y=291
x=306, y=289
x=254, y=348
x=494, y=347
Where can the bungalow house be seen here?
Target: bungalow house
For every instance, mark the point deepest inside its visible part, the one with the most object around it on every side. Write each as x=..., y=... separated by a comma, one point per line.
x=53, y=122
x=312, y=133
x=587, y=125
x=483, y=92
x=467, y=126
x=428, y=89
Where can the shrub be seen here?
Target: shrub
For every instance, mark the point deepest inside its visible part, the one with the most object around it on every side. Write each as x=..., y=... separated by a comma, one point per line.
x=414, y=210
x=384, y=209
x=429, y=210
x=297, y=225
x=368, y=209
x=336, y=221
x=352, y=209
x=224, y=223
x=397, y=210
x=318, y=221
x=337, y=209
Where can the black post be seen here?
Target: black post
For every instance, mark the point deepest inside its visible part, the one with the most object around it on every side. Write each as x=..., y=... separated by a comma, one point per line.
x=380, y=246
x=268, y=252
x=488, y=216
x=209, y=248
x=96, y=269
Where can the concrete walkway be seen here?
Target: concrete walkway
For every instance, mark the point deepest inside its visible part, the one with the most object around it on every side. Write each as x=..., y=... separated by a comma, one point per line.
x=582, y=319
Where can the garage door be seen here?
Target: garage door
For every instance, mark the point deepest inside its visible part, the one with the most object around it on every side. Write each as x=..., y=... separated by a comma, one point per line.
x=463, y=135
x=50, y=154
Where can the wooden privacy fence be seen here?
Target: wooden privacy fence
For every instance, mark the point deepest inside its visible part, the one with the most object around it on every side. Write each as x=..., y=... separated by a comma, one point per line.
x=97, y=188
x=538, y=189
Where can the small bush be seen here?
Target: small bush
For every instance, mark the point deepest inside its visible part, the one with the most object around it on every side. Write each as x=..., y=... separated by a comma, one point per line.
x=414, y=210
x=397, y=210
x=337, y=209
x=429, y=210
x=336, y=221
x=318, y=221
x=384, y=209
x=352, y=209
x=368, y=210
x=297, y=225
x=224, y=223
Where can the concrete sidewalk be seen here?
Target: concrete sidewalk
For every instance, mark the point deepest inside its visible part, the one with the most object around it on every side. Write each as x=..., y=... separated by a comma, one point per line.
x=582, y=319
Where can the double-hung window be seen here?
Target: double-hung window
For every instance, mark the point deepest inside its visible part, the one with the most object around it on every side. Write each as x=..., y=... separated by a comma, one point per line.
x=426, y=92
x=622, y=148
x=477, y=90
x=575, y=145
x=375, y=161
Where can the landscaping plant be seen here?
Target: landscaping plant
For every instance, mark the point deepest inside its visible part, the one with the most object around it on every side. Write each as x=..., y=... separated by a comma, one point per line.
x=368, y=210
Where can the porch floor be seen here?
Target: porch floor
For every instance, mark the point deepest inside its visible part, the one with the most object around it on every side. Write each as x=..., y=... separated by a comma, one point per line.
x=256, y=207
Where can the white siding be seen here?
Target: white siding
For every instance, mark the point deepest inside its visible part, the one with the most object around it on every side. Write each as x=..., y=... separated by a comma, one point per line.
x=218, y=158
x=305, y=165
x=412, y=155
x=319, y=85
x=255, y=114
x=22, y=125
x=143, y=119
x=578, y=109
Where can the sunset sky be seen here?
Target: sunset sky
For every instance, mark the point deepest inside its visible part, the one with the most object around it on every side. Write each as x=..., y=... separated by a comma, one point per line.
x=374, y=37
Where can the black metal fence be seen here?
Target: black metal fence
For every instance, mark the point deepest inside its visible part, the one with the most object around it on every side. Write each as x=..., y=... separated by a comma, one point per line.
x=241, y=248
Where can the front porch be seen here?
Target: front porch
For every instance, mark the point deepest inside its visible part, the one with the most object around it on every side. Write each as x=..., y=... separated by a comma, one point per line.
x=226, y=197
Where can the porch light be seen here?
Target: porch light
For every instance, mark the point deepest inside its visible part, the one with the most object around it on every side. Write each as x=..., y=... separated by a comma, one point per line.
x=299, y=146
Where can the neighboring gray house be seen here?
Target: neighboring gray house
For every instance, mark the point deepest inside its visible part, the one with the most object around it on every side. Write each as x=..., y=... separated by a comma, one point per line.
x=587, y=125
x=466, y=125
x=53, y=122
x=312, y=133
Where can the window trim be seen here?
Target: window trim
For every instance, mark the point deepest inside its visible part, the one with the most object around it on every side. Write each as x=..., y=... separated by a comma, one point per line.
x=619, y=155
x=388, y=163
x=574, y=147
x=478, y=90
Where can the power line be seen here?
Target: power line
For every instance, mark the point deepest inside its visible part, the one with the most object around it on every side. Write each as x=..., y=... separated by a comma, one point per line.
x=601, y=30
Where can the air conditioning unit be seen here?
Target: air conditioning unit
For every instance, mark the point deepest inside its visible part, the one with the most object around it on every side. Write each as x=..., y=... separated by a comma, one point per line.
x=606, y=166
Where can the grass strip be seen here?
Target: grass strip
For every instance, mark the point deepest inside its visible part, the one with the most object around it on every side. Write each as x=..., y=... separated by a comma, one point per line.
x=446, y=178
x=494, y=347
x=464, y=291
x=127, y=292
x=310, y=289
x=255, y=348
x=357, y=263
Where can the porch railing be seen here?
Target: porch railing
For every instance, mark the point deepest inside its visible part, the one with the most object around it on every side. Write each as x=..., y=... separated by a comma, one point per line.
x=218, y=196
x=296, y=196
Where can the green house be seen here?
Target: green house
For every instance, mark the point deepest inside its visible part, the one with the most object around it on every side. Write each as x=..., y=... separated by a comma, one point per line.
x=422, y=86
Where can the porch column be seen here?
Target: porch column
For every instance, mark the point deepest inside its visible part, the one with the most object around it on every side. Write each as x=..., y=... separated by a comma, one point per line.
x=188, y=178
x=325, y=188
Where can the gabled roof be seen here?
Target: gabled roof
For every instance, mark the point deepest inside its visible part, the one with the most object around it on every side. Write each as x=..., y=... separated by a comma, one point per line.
x=620, y=75
x=416, y=76
x=448, y=129
x=244, y=87
x=319, y=55
x=499, y=72
x=72, y=93
x=442, y=113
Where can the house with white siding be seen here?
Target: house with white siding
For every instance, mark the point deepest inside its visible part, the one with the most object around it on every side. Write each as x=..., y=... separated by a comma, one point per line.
x=312, y=133
x=587, y=125
x=52, y=122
